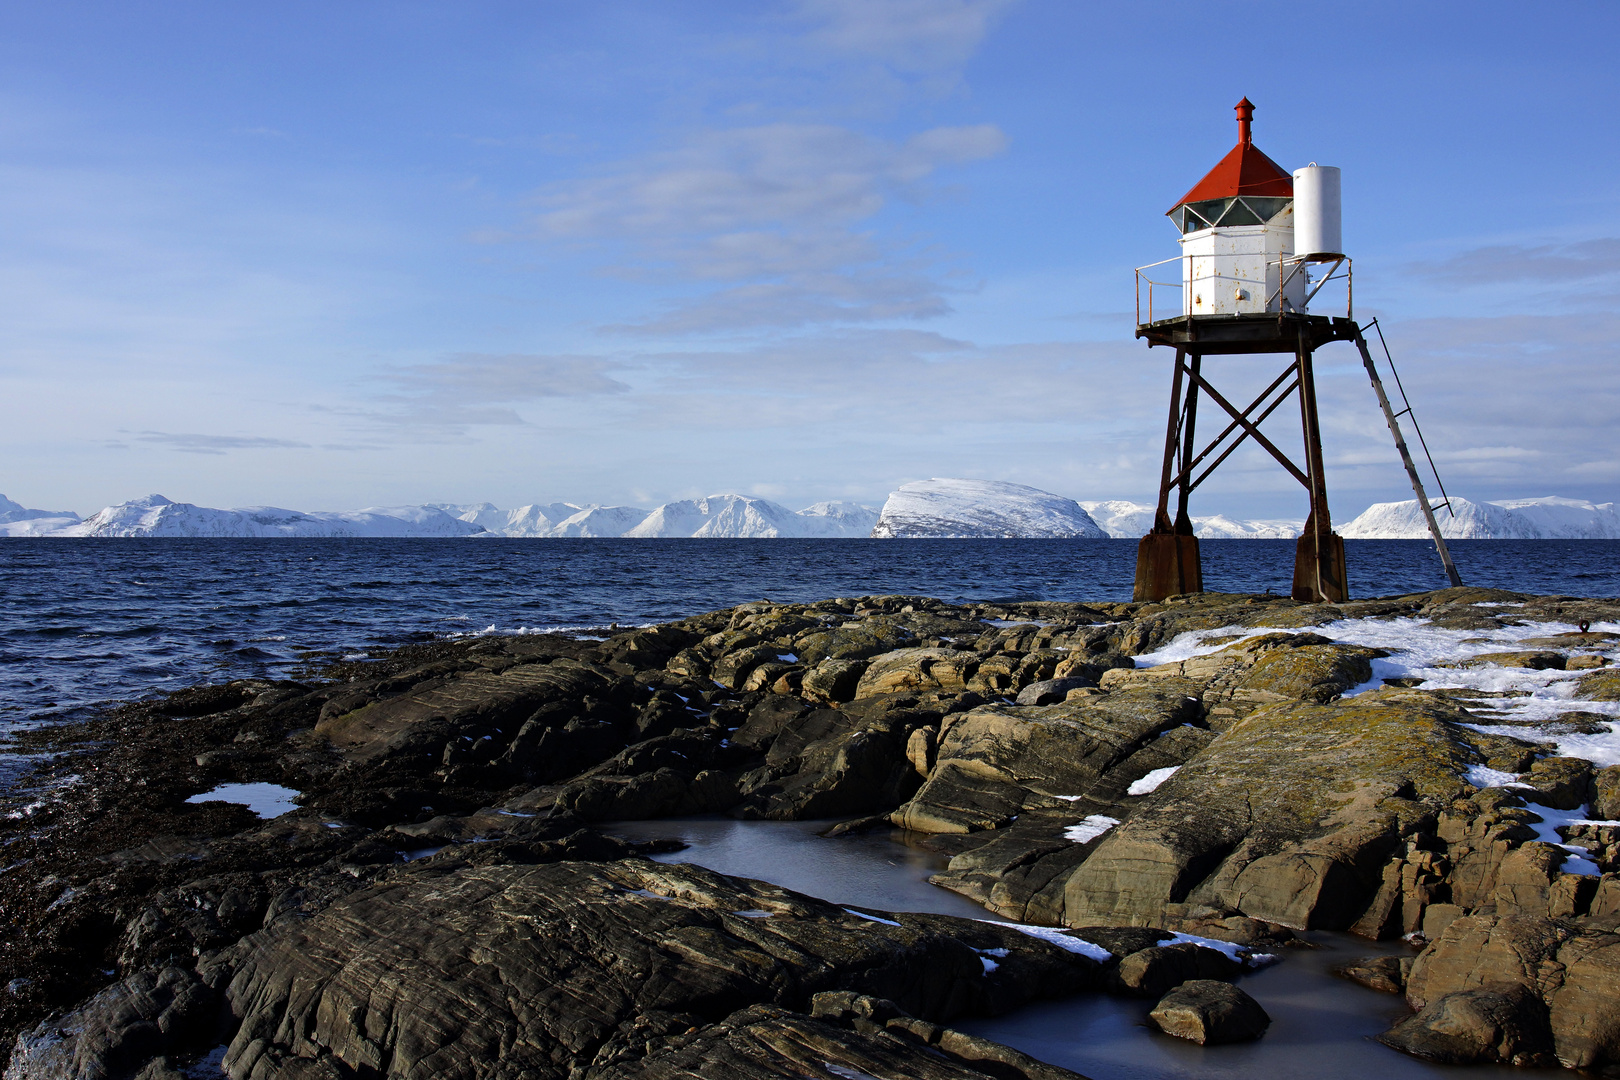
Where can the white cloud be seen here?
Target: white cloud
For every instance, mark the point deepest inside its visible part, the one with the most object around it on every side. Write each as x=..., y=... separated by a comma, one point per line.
x=909, y=35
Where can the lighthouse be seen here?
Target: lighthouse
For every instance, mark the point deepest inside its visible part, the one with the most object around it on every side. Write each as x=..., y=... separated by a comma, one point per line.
x=1258, y=245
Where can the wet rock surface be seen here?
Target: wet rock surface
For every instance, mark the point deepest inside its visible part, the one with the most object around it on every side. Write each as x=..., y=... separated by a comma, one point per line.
x=444, y=896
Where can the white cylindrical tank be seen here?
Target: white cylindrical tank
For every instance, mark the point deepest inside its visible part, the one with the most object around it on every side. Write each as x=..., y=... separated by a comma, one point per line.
x=1317, y=222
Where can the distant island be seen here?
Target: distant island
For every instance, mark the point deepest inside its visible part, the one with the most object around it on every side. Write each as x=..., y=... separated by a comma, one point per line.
x=937, y=508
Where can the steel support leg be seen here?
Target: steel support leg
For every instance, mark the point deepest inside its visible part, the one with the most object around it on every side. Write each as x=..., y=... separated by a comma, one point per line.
x=1167, y=558
x=1319, y=572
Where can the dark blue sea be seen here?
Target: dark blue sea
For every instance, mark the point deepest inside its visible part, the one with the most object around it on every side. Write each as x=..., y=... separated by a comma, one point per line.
x=89, y=621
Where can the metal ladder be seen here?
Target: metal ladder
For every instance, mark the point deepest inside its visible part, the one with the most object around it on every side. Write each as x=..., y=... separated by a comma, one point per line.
x=1393, y=418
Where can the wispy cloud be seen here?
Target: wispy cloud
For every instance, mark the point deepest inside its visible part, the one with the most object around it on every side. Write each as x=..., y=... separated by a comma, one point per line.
x=778, y=215
x=1501, y=264
x=909, y=35
x=473, y=389
x=216, y=444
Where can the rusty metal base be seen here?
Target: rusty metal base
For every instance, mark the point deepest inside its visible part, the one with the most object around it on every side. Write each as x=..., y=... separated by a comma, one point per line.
x=1167, y=565
x=1306, y=562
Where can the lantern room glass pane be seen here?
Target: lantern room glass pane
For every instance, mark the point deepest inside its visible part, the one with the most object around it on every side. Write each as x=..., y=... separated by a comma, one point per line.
x=1247, y=210
x=1267, y=208
x=1238, y=213
x=1207, y=213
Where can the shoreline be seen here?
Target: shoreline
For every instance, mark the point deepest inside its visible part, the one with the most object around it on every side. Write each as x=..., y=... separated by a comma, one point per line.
x=1360, y=815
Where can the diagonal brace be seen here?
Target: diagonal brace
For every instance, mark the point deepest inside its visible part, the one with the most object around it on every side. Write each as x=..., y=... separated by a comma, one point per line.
x=1215, y=442
x=1239, y=440
x=1254, y=432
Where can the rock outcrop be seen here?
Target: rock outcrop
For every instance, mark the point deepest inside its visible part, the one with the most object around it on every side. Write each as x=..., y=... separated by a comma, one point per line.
x=1209, y=1013
x=444, y=895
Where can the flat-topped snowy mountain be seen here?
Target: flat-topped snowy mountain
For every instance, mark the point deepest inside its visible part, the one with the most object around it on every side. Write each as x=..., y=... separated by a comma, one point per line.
x=981, y=508
x=1130, y=521
x=1549, y=518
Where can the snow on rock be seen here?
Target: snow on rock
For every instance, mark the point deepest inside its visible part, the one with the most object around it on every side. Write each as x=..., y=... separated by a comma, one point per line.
x=981, y=508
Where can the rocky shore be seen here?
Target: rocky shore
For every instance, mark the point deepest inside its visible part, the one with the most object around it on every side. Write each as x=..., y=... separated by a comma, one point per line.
x=444, y=901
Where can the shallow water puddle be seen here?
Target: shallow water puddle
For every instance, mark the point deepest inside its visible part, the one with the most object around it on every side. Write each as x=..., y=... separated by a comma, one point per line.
x=266, y=800
x=1322, y=1026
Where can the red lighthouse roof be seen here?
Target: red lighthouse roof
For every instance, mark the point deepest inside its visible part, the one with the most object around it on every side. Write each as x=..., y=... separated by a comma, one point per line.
x=1244, y=171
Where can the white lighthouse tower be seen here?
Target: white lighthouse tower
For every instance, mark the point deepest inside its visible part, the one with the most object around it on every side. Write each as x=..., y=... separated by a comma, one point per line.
x=1256, y=244
x=1251, y=233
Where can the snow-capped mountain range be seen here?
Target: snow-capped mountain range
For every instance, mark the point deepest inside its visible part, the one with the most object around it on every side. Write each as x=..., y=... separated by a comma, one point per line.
x=927, y=508
x=715, y=516
x=1548, y=518
x=1129, y=520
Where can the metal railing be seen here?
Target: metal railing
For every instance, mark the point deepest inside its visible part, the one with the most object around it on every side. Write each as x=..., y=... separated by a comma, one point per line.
x=1151, y=284
x=1287, y=268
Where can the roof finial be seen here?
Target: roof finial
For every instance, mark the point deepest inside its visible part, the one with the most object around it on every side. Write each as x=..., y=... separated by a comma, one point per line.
x=1245, y=111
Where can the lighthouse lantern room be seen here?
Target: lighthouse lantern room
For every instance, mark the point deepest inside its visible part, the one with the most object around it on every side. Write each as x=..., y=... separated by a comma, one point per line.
x=1251, y=236
x=1237, y=228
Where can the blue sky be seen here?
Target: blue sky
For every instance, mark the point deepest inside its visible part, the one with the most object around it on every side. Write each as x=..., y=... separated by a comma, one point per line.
x=333, y=255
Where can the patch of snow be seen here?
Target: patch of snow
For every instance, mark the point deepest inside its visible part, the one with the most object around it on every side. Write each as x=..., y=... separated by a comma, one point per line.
x=950, y=508
x=1152, y=780
x=1193, y=643
x=1053, y=935
x=787, y=658
x=1578, y=860
x=1483, y=776
x=870, y=918
x=989, y=964
x=846, y=1073
x=1233, y=951
x=211, y=1066
x=1089, y=829
x=753, y=913
x=422, y=853
x=265, y=800
x=1417, y=650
